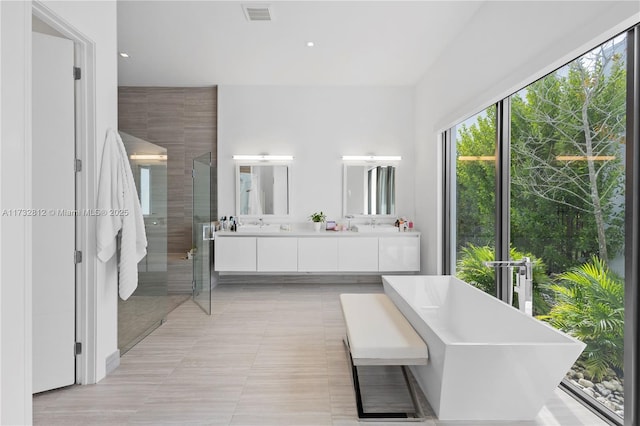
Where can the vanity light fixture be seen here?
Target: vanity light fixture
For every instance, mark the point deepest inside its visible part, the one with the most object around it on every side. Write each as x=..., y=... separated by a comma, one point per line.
x=148, y=156
x=371, y=158
x=310, y=44
x=263, y=157
x=124, y=54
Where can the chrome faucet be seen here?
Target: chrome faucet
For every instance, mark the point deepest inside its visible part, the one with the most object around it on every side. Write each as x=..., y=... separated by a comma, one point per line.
x=373, y=222
x=261, y=221
x=524, y=281
x=349, y=217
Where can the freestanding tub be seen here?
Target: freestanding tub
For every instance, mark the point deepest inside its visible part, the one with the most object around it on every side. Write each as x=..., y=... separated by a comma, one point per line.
x=487, y=360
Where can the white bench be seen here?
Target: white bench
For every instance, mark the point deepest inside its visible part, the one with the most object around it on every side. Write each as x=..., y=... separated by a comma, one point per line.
x=379, y=334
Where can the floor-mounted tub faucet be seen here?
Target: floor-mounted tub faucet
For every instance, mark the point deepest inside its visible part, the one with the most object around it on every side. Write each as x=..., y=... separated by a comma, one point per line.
x=524, y=281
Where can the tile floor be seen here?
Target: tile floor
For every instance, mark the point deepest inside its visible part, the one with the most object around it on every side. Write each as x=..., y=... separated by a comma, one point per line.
x=271, y=354
x=141, y=314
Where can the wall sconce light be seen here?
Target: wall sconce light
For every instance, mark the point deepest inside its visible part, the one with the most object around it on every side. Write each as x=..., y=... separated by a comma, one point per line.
x=263, y=157
x=371, y=158
x=148, y=156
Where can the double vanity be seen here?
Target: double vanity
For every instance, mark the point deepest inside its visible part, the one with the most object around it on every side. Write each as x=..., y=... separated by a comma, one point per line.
x=262, y=192
x=273, y=251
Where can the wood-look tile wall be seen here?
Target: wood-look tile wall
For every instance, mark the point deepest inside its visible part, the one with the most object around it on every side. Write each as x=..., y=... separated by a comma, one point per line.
x=184, y=121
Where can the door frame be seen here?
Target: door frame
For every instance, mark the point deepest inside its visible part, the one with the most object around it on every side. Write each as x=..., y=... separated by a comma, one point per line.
x=85, y=142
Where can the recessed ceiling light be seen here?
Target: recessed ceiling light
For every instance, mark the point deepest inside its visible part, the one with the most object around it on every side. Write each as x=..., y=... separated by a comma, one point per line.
x=124, y=54
x=310, y=44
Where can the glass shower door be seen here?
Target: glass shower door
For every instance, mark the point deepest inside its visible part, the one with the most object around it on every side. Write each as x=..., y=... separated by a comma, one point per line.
x=148, y=306
x=202, y=232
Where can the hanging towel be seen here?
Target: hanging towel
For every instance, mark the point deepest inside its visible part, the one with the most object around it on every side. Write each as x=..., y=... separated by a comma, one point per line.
x=119, y=212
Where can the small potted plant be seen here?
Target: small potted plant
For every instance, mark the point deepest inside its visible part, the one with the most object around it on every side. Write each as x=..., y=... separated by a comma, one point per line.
x=317, y=219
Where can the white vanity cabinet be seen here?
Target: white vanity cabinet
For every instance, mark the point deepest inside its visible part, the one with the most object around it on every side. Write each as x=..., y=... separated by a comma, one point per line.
x=277, y=254
x=317, y=254
x=309, y=252
x=399, y=253
x=235, y=254
x=358, y=254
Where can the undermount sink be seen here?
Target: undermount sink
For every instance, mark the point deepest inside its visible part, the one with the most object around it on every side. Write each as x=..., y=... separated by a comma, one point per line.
x=267, y=228
x=378, y=228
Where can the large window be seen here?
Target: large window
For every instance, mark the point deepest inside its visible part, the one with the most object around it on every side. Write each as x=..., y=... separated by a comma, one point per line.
x=474, y=141
x=566, y=207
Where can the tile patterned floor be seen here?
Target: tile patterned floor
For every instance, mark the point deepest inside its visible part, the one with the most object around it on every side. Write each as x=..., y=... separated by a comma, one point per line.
x=271, y=354
x=141, y=314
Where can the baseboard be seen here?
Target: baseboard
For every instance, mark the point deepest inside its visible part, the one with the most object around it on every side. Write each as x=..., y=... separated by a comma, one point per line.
x=112, y=362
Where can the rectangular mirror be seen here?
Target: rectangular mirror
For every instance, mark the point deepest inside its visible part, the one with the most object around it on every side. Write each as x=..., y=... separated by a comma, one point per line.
x=262, y=189
x=369, y=190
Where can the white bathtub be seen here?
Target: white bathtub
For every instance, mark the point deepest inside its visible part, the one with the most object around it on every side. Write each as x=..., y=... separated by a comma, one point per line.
x=487, y=360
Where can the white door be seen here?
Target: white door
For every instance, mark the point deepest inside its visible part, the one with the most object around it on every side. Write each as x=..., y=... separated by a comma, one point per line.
x=53, y=197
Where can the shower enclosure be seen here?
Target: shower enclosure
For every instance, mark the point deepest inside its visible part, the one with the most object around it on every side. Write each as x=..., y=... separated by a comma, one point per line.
x=148, y=306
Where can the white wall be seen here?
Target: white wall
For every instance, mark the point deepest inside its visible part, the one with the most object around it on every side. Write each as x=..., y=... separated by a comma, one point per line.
x=15, y=232
x=317, y=125
x=97, y=21
x=474, y=72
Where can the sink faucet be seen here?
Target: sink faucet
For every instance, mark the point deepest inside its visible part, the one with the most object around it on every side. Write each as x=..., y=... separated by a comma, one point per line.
x=373, y=222
x=261, y=221
x=349, y=217
x=524, y=281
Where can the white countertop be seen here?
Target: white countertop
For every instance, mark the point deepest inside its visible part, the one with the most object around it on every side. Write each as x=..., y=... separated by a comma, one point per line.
x=312, y=233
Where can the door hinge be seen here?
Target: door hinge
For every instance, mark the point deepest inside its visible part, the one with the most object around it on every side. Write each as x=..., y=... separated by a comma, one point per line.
x=78, y=348
x=78, y=165
x=193, y=173
x=77, y=73
x=193, y=285
x=77, y=257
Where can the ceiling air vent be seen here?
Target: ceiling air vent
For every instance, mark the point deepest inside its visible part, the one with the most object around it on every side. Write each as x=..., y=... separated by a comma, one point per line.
x=257, y=12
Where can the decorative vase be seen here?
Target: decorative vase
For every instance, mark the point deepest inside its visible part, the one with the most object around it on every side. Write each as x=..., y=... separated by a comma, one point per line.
x=316, y=226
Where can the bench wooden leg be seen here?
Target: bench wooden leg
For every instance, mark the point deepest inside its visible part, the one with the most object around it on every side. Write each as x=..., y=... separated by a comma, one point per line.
x=416, y=415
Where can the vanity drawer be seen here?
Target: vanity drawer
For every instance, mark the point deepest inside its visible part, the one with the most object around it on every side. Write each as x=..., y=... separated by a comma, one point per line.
x=358, y=254
x=235, y=254
x=277, y=254
x=399, y=254
x=317, y=254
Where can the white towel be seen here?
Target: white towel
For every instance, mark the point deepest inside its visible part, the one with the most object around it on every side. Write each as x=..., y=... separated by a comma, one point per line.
x=119, y=210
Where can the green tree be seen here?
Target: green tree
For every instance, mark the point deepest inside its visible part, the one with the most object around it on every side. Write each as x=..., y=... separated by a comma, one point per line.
x=567, y=143
x=567, y=171
x=475, y=181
